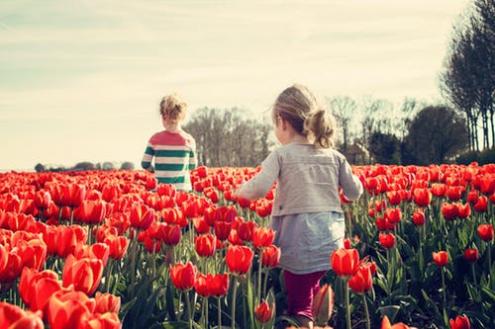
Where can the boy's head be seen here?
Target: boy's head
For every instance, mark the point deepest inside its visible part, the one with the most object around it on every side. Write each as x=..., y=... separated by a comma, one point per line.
x=172, y=109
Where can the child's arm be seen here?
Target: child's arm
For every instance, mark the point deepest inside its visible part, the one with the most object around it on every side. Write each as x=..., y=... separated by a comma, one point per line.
x=193, y=160
x=260, y=184
x=351, y=185
x=148, y=157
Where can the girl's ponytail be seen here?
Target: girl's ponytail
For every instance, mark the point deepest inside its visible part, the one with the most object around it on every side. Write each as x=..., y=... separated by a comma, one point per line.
x=320, y=127
x=300, y=108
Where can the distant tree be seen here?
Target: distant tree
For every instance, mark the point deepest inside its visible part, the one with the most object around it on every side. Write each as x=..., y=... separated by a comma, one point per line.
x=107, y=166
x=436, y=134
x=385, y=148
x=39, y=167
x=85, y=165
x=225, y=137
x=343, y=108
x=127, y=166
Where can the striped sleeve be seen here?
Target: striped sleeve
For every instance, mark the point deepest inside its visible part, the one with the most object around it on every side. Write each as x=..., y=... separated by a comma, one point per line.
x=193, y=160
x=148, y=156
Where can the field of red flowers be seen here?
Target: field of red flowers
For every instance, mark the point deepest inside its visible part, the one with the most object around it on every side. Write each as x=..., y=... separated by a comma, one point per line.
x=108, y=250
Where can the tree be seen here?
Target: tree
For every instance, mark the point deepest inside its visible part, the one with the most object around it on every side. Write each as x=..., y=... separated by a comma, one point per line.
x=39, y=167
x=385, y=148
x=127, y=166
x=469, y=76
x=436, y=135
x=85, y=165
x=225, y=137
x=343, y=109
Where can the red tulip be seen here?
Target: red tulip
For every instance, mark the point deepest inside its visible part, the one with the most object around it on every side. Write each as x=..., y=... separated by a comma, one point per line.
x=323, y=304
x=263, y=312
x=171, y=234
x=485, y=232
x=386, y=324
x=183, y=276
x=205, y=245
x=482, y=204
x=449, y=211
x=418, y=217
x=440, y=258
x=270, y=256
x=106, y=303
x=460, y=322
x=118, y=246
x=463, y=210
x=141, y=216
x=13, y=317
x=454, y=193
x=387, y=240
x=246, y=230
x=471, y=255
x=239, y=259
x=212, y=285
x=422, y=197
x=69, y=310
x=36, y=288
x=345, y=262
x=222, y=229
x=201, y=225
x=362, y=280
x=263, y=237
x=104, y=321
x=394, y=215
x=438, y=190
x=85, y=274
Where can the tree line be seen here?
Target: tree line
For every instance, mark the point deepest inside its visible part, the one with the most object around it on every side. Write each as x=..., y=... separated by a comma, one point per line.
x=468, y=80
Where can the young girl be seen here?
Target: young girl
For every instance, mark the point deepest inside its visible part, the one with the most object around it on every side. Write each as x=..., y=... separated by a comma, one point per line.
x=307, y=215
x=173, y=150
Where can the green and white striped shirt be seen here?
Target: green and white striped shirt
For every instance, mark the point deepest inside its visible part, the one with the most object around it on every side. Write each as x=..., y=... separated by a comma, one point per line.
x=174, y=155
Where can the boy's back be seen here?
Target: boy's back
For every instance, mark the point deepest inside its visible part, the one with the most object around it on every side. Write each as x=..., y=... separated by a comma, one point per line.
x=174, y=154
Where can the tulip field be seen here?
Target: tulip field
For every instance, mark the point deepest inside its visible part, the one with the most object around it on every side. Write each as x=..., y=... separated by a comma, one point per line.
x=113, y=249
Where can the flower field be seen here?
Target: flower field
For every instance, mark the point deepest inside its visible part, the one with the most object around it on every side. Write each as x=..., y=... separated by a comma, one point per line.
x=112, y=249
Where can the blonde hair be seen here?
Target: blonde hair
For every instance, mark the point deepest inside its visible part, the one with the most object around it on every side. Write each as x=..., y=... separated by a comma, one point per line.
x=299, y=107
x=173, y=107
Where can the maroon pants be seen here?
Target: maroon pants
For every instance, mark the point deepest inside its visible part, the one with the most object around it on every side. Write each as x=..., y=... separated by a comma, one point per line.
x=301, y=289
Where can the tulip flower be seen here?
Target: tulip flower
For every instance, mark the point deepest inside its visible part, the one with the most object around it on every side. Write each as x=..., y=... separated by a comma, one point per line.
x=418, y=217
x=118, y=246
x=239, y=259
x=386, y=324
x=441, y=258
x=422, y=197
x=106, y=303
x=387, y=240
x=205, y=245
x=263, y=237
x=263, y=312
x=460, y=322
x=345, y=262
x=13, y=317
x=85, y=274
x=486, y=232
x=36, y=288
x=270, y=256
x=68, y=309
x=183, y=276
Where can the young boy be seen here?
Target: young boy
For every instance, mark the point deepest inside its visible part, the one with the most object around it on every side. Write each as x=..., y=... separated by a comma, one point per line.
x=173, y=150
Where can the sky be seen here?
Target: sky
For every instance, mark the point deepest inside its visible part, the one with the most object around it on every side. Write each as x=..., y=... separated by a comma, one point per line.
x=81, y=80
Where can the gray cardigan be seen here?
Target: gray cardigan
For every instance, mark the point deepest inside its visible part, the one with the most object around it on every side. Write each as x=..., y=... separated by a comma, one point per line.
x=308, y=180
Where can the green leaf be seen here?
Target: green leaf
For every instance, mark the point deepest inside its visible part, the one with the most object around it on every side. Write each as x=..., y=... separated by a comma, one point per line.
x=390, y=311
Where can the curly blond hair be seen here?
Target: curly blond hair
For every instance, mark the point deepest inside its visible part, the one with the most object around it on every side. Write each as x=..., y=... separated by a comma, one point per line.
x=173, y=107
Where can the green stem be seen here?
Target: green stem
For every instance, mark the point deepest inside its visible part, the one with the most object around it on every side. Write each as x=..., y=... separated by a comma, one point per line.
x=219, y=309
x=347, y=307
x=109, y=274
x=188, y=305
x=473, y=272
x=259, y=276
x=234, y=295
x=444, y=298
x=366, y=311
x=267, y=274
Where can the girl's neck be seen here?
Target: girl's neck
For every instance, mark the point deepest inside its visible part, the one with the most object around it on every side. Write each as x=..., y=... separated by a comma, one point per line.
x=298, y=139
